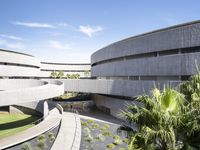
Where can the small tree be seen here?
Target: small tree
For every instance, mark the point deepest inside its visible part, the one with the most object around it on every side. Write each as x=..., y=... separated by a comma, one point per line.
x=77, y=76
x=60, y=74
x=68, y=76
x=54, y=74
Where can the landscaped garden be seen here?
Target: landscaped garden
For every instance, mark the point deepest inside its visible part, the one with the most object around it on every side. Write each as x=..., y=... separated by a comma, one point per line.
x=11, y=124
x=41, y=142
x=98, y=135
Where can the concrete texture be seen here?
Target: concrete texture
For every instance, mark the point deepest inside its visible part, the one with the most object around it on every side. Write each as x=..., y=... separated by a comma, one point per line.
x=29, y=94
x=185, y=35
x=69, y=136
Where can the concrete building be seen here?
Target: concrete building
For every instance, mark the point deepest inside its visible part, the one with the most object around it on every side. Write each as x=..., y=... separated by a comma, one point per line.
x=82, y=69
x=119, y=71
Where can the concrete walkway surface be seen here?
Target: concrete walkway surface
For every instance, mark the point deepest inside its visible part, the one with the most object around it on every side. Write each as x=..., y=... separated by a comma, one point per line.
x=69, y=136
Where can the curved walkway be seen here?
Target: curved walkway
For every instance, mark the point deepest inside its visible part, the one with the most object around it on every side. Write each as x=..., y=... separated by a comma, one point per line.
x=14, y=91
x=69, y=136
x=49, y=122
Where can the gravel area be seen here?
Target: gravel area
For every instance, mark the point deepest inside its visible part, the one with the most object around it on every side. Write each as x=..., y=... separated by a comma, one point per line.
x=42, y=142
x=100, y=135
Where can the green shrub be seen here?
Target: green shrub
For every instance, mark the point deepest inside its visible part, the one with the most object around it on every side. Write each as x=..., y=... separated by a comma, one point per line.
x=121, y=149
x=85, y=124
x=110, y=146
x=116, y=137
x=41, y=145
x=89, y=139
x=106, y=126
x=95, y=125
x=126, y=140
x=26, y=146
x=86, y=131
x=106, y=133
x=117, y=141
x=51, y=136
x=102, y=128
x=42, y=138
x=89, y=121
x=99, y=137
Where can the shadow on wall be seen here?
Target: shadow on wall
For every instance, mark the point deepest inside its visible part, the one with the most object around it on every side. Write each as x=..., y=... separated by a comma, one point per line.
x=32, y=108
x=124, y=89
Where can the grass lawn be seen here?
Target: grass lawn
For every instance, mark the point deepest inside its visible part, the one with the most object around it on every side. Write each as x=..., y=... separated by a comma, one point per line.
x=11, y=124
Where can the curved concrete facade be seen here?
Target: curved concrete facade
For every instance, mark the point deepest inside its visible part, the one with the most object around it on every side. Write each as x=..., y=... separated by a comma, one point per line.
x=175, y=37
x=14, y=91
x=47, y=68
x=14, y=64
x=166, y=55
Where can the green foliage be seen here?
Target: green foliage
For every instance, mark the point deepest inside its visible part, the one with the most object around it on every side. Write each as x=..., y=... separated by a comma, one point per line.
x=86, y=131
x=42, y=138
x=73, y=76
x=106, y=126
x=89, y=139
x=110, y=146
x=54, y=74
x=60, y=74
x=126, y=140
x=103, y=128
x=107, y=133
x=83, y=123
x=95, y=125
x=89, y=121
x=117, y=141
x=116, y=137
x=41, y=145
x=167, y=120
x=51, y=136
x=26, y=146
x=99, y=137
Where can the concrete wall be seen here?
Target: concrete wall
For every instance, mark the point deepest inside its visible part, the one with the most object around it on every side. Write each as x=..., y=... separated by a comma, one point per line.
x=114, y=105
x=14, y=84
x=181, y=64
x=186, y=35
x=29, y=94
x=18, y=65
x=113, y=87
x=166, y=55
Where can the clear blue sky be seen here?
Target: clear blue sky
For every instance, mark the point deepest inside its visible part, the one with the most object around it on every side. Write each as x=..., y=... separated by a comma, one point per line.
x=71, y=30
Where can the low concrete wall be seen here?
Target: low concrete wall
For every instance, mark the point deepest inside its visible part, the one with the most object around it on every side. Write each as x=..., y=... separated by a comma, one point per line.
x=23, y=95
x=114, y=105
x=128, y=88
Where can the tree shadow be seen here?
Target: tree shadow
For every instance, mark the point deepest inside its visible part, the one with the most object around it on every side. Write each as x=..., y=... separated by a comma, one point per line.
x=19, y=123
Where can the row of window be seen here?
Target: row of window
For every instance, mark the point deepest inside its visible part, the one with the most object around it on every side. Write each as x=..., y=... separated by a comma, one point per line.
x=153, y=54
x=152, y=78
x=64, y=70
x=19, y=65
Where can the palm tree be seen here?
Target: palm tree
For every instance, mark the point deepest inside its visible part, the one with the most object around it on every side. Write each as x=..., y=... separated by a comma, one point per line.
x=190, y=126
x=155, y=120
x=166, y=120
x=53, y=74
x=68, y=76
x=77, y=76
x=60, y=74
